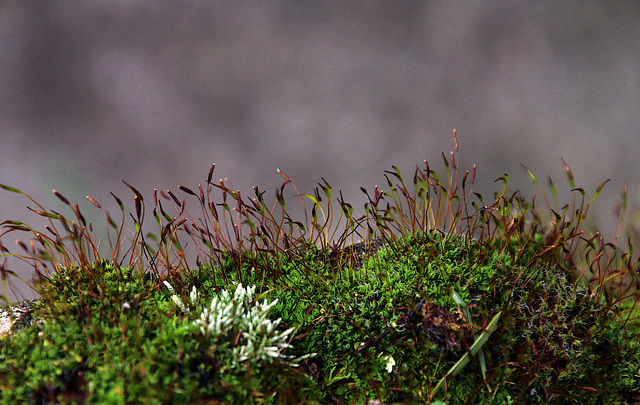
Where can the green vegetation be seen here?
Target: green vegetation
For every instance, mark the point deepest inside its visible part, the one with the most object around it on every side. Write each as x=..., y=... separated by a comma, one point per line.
x=433, y=296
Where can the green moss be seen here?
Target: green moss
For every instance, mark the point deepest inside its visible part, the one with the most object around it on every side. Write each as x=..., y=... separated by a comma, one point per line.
x=119, y=337
x=436, y=305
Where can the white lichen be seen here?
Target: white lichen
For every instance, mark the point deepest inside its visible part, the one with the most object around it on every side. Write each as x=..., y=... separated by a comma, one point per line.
x=390, y=363
x=240, y=320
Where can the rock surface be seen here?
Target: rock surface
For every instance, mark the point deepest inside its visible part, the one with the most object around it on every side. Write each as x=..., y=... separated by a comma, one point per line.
x=16, y=316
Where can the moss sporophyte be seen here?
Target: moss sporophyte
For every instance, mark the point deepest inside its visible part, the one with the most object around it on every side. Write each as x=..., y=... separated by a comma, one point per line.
x=432, y=295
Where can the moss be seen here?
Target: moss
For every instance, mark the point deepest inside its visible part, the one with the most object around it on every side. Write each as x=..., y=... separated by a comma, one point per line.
x=122, y=341
x=436, y=305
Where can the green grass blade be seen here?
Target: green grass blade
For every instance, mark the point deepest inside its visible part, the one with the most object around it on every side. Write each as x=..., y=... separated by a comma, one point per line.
x=475, y=348
x=484, y=336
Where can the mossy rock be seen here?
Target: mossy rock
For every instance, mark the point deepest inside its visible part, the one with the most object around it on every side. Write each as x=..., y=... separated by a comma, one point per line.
x=385, y=330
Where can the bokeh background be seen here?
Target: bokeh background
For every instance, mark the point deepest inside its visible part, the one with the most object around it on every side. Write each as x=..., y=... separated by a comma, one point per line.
x=94, y=92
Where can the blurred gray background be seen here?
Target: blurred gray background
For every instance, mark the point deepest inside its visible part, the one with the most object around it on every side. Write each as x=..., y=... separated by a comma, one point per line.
x=153, y=92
